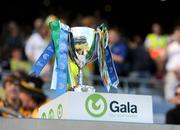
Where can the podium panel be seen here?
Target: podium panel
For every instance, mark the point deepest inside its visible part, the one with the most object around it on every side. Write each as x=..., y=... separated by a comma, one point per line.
x=99, y=107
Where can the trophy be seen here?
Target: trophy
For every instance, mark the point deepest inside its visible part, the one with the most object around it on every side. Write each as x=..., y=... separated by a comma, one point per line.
x=83, y=45
x=83, y=50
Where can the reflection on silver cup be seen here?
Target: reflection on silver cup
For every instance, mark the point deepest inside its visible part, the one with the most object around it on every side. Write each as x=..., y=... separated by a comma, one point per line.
x=82, y=51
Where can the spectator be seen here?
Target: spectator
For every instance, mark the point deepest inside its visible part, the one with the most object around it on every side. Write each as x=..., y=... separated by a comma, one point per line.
x=11, y=103
x=32, y=96
x=173, y=64
x=173, y=116
x=21, y=74
x=37, y=24
x=118, y=49
x=10, y=39
x=89, y=21
x=17, y=63
x=35, y=45
x=137, y=54
x=156, y=43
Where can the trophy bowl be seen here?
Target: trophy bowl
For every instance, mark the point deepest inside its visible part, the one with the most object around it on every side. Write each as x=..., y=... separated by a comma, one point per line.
x=83, y=50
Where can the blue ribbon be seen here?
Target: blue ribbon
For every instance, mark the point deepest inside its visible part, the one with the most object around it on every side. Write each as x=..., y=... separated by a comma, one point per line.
x=62, y=68
x=112, y=75
x=62, y=61
x=43, y=59
x=108, y=72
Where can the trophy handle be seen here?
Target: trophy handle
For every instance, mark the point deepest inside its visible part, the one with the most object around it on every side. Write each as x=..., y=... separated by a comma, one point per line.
x=71, y=49
x=93, y=50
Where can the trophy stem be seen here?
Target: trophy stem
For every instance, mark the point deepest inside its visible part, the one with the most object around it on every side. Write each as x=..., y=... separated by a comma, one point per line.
x=80, y=77
x=81, y=87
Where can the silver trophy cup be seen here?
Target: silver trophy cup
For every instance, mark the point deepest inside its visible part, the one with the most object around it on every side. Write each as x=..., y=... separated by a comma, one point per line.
x=82, y=49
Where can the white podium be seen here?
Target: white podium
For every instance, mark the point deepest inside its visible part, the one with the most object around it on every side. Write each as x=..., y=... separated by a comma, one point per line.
x=99, y=107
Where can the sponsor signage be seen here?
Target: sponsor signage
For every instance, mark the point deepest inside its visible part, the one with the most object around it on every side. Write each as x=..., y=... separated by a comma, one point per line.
x=99, y=107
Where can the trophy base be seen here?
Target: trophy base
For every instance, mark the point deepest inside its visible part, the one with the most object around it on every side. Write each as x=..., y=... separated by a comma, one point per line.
x=85, y=88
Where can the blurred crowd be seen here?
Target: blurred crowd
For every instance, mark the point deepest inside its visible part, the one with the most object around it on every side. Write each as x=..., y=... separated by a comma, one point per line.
x=23, y=96
x=155, y=56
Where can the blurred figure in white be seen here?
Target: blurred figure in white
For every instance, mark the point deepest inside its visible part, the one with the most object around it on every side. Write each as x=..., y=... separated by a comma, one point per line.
x=36, y=44
x=173, y=64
